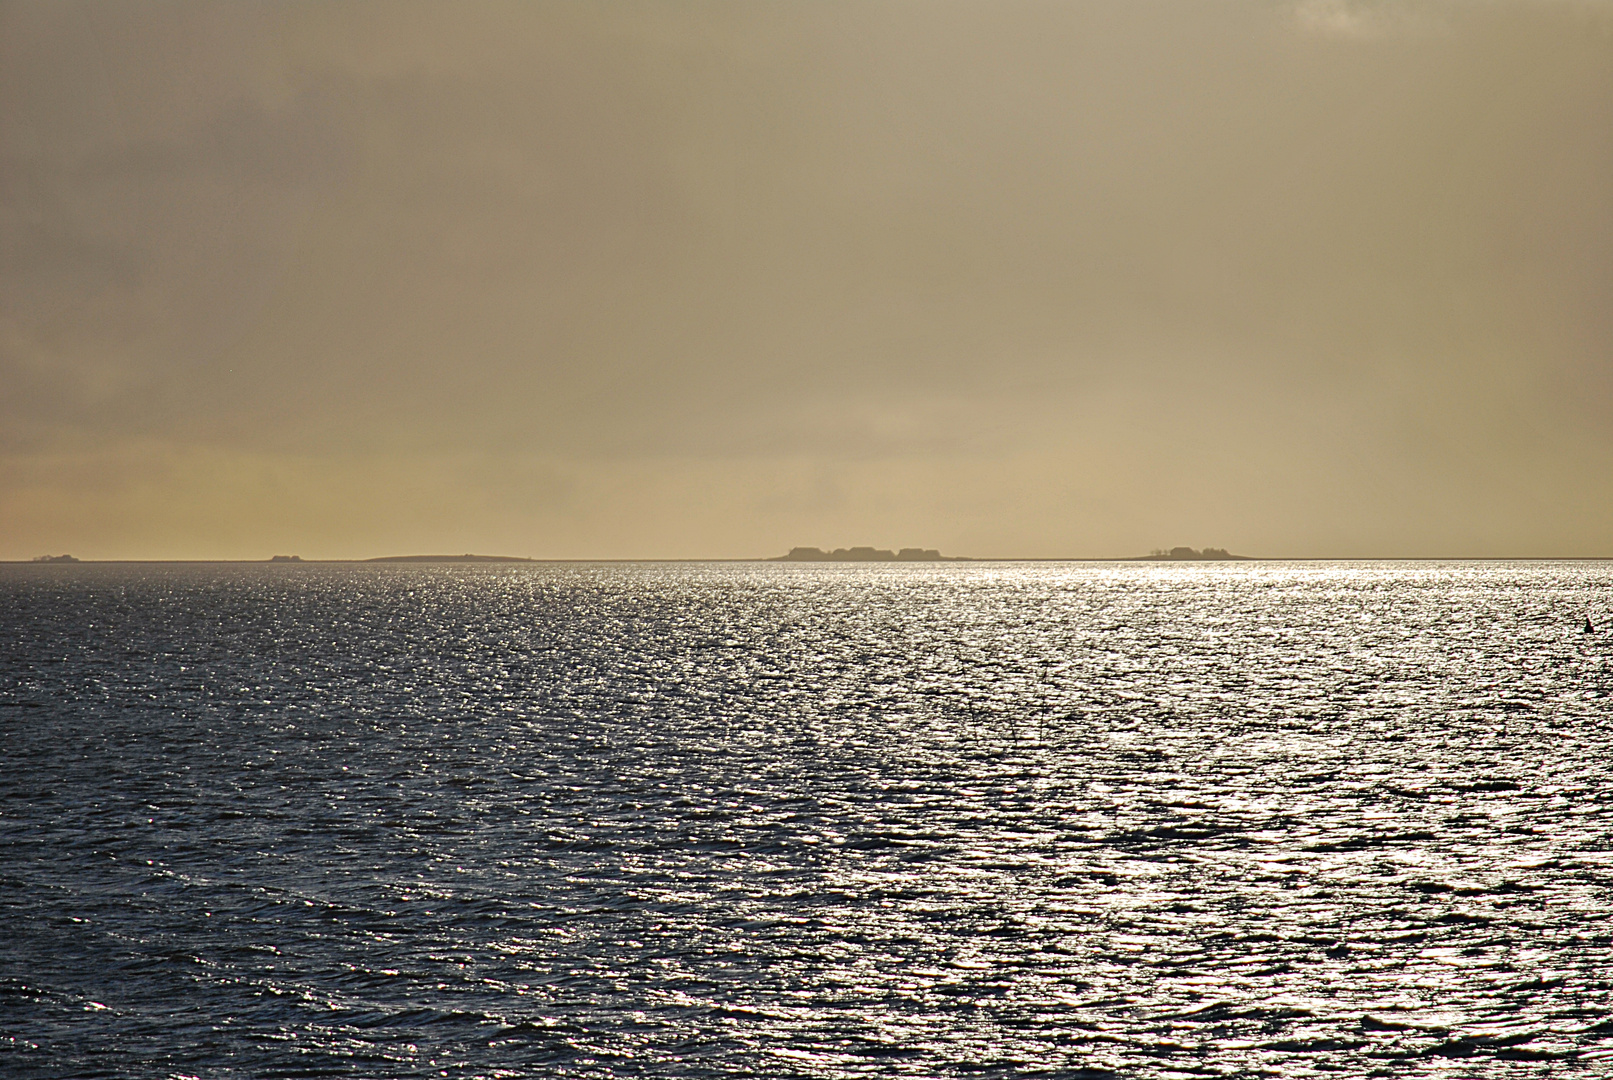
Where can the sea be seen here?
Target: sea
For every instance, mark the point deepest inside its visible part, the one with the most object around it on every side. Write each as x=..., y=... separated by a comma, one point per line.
x=820, y=821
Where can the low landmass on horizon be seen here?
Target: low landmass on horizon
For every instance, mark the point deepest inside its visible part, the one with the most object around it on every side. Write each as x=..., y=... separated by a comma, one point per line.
x=467, y=558
x=866, y=554
x=796, y=554
x=870, y=554
x=1187, y=554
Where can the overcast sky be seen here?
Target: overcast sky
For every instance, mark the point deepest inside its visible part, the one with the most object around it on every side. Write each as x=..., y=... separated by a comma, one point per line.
x=601, y=279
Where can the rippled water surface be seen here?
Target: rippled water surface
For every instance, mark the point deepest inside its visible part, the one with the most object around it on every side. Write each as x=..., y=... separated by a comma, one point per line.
x=816, y=821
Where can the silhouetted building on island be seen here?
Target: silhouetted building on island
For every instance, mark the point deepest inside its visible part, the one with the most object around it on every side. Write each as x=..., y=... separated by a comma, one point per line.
x=1187, y=554
x=863, y=554
x=918, y=555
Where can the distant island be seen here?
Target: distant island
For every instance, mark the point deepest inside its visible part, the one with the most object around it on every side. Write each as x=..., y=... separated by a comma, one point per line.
x=1187, y=554
x=54, y=558
x=448, y=558
x=865, y=554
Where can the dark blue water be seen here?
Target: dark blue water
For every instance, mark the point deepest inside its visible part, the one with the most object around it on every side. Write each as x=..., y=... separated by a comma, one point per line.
x=814, y=821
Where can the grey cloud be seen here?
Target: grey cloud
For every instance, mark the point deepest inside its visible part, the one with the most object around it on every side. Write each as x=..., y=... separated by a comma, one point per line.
x=245, y=142
x=673, y=241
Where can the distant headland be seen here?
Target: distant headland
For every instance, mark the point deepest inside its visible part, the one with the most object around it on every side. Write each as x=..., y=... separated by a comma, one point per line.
x=865, y=554
x=1187, y=554
x=449, y=558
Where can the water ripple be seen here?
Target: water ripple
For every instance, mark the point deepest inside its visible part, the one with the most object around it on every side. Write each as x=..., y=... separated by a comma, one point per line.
x=824, y=821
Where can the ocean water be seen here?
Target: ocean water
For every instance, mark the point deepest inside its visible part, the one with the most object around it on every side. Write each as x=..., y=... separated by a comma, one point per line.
x=714, y=820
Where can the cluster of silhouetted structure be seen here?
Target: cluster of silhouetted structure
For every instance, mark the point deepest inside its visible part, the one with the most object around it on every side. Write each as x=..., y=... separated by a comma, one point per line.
x=862, y=554
x=1187, y=554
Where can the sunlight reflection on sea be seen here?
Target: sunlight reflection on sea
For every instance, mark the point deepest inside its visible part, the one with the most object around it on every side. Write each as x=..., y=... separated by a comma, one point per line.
x=826, y=820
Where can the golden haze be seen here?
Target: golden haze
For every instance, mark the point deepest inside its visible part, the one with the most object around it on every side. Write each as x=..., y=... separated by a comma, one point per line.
x=717, y=279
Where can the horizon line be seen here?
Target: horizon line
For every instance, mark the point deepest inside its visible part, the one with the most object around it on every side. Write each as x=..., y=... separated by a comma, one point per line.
x=515, y=559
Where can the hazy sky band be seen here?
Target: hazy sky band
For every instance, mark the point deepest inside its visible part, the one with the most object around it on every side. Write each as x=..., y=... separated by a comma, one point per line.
x=620, y=280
